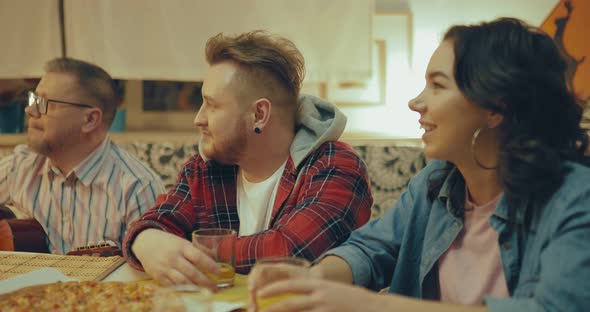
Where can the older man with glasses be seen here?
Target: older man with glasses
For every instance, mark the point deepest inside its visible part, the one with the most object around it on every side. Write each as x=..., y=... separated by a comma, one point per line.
x=70, y=177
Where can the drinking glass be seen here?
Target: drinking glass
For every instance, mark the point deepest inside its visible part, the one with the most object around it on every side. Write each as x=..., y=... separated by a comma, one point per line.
x=262, y=303
x=220, y=245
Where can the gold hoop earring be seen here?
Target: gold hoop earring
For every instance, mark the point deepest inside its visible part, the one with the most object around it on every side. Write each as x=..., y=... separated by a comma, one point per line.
x=473, y=141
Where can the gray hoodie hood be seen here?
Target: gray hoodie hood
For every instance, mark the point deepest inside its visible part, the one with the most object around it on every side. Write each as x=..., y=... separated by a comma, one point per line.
x=318, y=121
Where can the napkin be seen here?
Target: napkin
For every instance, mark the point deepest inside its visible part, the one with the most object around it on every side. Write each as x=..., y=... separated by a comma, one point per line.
x=37, y=277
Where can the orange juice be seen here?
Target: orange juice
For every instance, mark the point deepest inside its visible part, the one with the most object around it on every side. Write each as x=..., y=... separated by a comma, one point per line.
x=263, y=303
x=226, y=276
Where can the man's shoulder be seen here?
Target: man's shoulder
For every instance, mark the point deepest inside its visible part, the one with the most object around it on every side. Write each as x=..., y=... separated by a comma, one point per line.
x=24, y=156
x=335, y=148
x=130, y=165
x=334, y=154
x=23, y=150
x=196, y=164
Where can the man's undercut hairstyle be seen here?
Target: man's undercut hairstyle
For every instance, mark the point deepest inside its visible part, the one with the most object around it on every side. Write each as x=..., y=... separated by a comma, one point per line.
x=270, y=66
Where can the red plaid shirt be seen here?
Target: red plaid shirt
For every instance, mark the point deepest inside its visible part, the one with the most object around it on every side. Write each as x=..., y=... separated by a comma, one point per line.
x=310, y=215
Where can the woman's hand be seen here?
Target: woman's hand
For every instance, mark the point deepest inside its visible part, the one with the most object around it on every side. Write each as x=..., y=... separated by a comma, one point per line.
x=317, y=295
x=265, y=274
x=262, y=275
x=287, y=288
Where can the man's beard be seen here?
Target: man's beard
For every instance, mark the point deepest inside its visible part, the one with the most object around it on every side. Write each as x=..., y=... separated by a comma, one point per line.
x=49, y=149
x=229, y=152
x=39, y=146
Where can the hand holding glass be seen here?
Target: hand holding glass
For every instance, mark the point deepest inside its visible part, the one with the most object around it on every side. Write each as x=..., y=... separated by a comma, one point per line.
x=283, y=267
x=219, y=244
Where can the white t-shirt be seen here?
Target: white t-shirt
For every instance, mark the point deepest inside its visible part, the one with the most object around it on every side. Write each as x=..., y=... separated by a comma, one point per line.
x=255, y=202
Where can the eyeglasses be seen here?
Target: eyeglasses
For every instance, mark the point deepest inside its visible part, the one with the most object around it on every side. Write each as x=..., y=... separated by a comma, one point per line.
x=40, y=103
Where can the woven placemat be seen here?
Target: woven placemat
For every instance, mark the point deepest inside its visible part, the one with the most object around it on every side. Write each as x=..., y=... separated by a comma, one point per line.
x=83, y=268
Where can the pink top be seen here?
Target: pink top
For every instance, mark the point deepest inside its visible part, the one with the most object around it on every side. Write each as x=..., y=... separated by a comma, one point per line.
x=471, y=268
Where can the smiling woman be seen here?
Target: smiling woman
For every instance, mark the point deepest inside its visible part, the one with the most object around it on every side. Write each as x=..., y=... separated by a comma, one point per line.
x=491, y=216
x=447, y=116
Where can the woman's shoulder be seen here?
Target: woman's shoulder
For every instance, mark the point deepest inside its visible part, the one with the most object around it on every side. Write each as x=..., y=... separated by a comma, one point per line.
x=575, y=185
x=569, y=206
x=577, y=177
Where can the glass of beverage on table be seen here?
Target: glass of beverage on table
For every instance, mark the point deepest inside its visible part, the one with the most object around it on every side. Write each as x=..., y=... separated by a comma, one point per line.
x=263, y=303
x=220, y=245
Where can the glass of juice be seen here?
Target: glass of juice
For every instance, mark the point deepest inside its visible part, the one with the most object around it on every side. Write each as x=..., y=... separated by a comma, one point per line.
x=263, y=303
x=220, y=245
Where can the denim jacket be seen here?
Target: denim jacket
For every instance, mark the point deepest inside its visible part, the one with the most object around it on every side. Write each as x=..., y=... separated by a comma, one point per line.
x=546, y=264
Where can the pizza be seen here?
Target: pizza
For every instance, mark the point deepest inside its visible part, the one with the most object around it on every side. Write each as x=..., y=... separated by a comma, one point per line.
x=82, y=296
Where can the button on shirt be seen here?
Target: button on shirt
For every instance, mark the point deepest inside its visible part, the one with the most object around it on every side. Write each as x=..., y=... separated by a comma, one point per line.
x=92, y=203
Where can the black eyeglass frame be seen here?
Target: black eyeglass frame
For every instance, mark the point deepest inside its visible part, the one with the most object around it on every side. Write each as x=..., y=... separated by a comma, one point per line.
x=37, y=104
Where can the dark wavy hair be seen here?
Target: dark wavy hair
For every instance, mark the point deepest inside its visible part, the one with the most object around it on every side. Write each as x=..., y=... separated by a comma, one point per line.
x=511, y=68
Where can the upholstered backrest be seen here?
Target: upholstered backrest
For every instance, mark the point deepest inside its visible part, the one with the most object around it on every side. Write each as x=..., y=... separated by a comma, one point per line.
x=390, y=167
x=390, y=170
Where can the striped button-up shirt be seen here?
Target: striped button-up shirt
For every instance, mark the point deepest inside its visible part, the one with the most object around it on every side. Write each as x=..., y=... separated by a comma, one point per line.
x=94, y=202
x=317, y=205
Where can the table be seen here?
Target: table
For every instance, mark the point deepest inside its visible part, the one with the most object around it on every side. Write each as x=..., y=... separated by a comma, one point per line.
x=237, y=293
x=124, y=273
